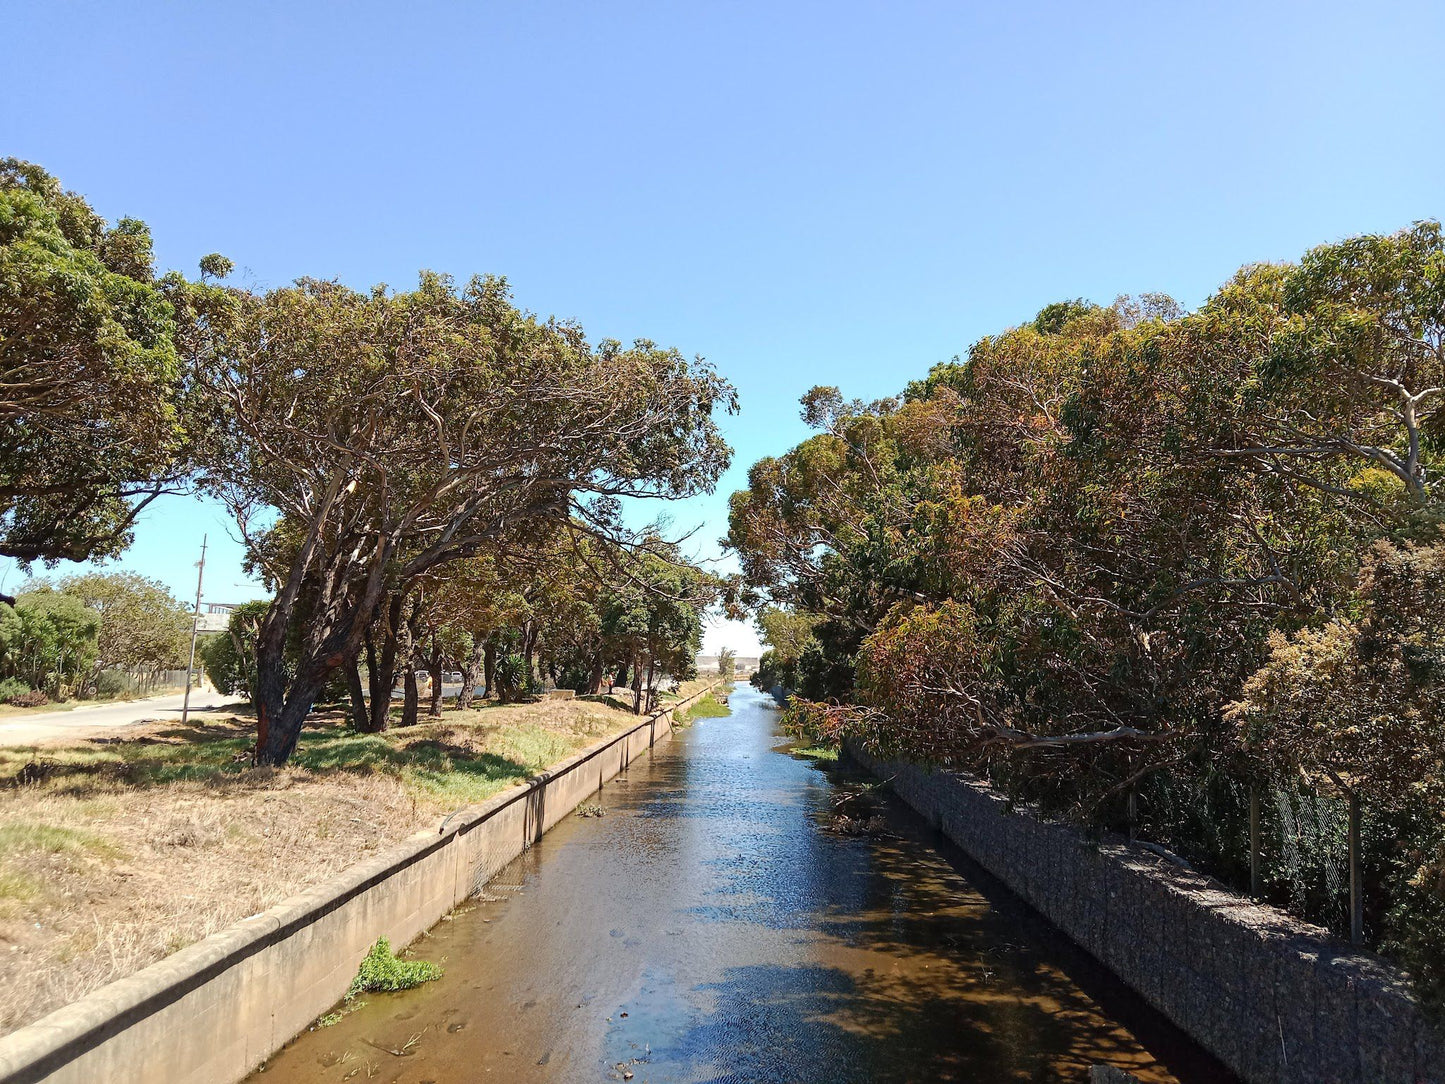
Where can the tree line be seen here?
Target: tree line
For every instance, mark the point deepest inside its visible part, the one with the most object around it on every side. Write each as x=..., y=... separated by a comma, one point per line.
x=424, y=476
x=1139, y=564
x=97, y=634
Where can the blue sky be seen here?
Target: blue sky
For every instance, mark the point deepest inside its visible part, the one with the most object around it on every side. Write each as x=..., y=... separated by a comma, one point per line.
x=803, y=193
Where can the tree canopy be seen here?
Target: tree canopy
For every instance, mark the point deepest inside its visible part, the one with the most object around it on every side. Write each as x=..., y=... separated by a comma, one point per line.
x=364, y=440
x=90, y=425
x=1119, y=541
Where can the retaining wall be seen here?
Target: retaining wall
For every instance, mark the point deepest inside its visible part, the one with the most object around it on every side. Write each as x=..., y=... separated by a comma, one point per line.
x=212, y=1012
x=1278, y=1001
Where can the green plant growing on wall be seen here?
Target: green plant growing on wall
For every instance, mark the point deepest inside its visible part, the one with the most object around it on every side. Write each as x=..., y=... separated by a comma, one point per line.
x=384, y=971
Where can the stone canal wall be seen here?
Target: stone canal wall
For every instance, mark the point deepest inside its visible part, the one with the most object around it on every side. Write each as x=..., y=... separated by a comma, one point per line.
x=214, y=1011
x=1278, y=1001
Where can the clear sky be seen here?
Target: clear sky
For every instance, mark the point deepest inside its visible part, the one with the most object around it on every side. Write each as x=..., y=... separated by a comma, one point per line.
x=804, y=193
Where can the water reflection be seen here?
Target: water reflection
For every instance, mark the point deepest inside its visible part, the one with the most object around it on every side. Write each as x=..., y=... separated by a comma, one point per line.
x=712, y=928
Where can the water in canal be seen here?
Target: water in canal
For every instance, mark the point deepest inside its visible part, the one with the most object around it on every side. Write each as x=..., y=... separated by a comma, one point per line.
x=715, y=926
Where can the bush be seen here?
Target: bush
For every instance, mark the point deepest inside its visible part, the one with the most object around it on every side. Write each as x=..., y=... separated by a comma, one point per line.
x=30, y=698
x=383, y=970
x=510, y=676
x=12, y=687
x=110, y=684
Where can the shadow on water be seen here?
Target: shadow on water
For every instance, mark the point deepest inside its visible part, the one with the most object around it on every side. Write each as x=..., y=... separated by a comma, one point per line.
x=712, y=928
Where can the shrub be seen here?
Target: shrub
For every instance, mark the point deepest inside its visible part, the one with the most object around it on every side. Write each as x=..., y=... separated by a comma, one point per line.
x=510, y=676
x=383, y=970
x=110, y=684
x=30, y=698
x=10, y=687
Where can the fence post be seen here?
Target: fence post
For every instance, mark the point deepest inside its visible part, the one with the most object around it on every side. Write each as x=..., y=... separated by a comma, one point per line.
x=1357, y=894
x=1254, y=841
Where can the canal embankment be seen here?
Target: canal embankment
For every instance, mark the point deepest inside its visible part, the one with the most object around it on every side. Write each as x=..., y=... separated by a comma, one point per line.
x=1275, y=999
x=742, y=912
x=214, y=1010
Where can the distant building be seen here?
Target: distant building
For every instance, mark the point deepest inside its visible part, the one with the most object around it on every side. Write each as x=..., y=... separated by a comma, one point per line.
x=742, y=664
x=215, y=616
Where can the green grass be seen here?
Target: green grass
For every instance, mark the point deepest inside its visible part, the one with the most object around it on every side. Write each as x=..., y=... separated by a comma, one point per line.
x=709, y=707
x=19, y=887
x=426, y=759
x=817, y=752
x=48, y=839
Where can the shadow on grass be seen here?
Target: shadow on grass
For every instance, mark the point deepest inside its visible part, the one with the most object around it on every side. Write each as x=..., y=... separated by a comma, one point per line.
x=215, y=753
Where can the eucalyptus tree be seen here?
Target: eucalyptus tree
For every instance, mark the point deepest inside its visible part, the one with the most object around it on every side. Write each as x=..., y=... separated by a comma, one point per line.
x=90, y=430
x=652, y=620
x=143, y=627
x=1072, y=547
x=1353, y=383
x=391, y=434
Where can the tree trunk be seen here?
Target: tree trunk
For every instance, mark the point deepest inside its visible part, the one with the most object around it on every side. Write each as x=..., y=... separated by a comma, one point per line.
x=435, y=710
x=360, y=717
x=651, y=676
x=281, y=709
x=594, y=684
x=406, y=657
x=410, y=698
x=1254, y=842
x=529, y=646
x=471, y=674
x=489, y=668
x=636, y=687
x=381, y=666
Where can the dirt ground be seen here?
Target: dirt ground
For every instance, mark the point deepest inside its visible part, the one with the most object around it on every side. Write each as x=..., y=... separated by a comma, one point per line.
x=117, y=851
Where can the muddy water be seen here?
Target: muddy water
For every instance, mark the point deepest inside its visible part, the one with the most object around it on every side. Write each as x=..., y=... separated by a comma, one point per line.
x=713, y=927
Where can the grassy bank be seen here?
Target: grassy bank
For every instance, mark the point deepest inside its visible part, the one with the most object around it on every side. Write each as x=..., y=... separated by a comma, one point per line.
x=711, y=706
x=117, y=851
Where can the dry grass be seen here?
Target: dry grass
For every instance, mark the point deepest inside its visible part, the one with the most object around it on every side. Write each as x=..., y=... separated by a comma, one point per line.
x=115, y=852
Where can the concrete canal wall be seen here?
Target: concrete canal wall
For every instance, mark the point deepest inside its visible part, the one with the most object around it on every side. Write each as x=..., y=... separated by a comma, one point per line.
x=214, y=1011
x=1278, y=1001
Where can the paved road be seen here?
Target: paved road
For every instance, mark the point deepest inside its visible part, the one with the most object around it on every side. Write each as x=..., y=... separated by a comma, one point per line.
x=104, y=718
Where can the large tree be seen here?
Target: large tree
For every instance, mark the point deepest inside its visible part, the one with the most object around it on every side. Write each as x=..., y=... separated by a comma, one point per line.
x=652, y=621
x=143, y=627
x=89, y=426
x=47, y=639
x=1072, y=547
x=389, y=434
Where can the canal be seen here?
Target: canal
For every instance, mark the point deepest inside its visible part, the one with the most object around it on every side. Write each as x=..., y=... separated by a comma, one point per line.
x=744, y=914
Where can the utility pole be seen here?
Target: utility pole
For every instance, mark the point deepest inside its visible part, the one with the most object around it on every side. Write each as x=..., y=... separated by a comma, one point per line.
x=195, y=627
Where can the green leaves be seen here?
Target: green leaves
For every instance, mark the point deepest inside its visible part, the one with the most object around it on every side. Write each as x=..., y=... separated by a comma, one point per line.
x=89, y=422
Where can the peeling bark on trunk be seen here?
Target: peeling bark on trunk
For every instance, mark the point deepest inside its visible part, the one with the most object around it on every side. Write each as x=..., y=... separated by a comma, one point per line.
x=360, y=717
x=381, y=665
x=471, y=674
